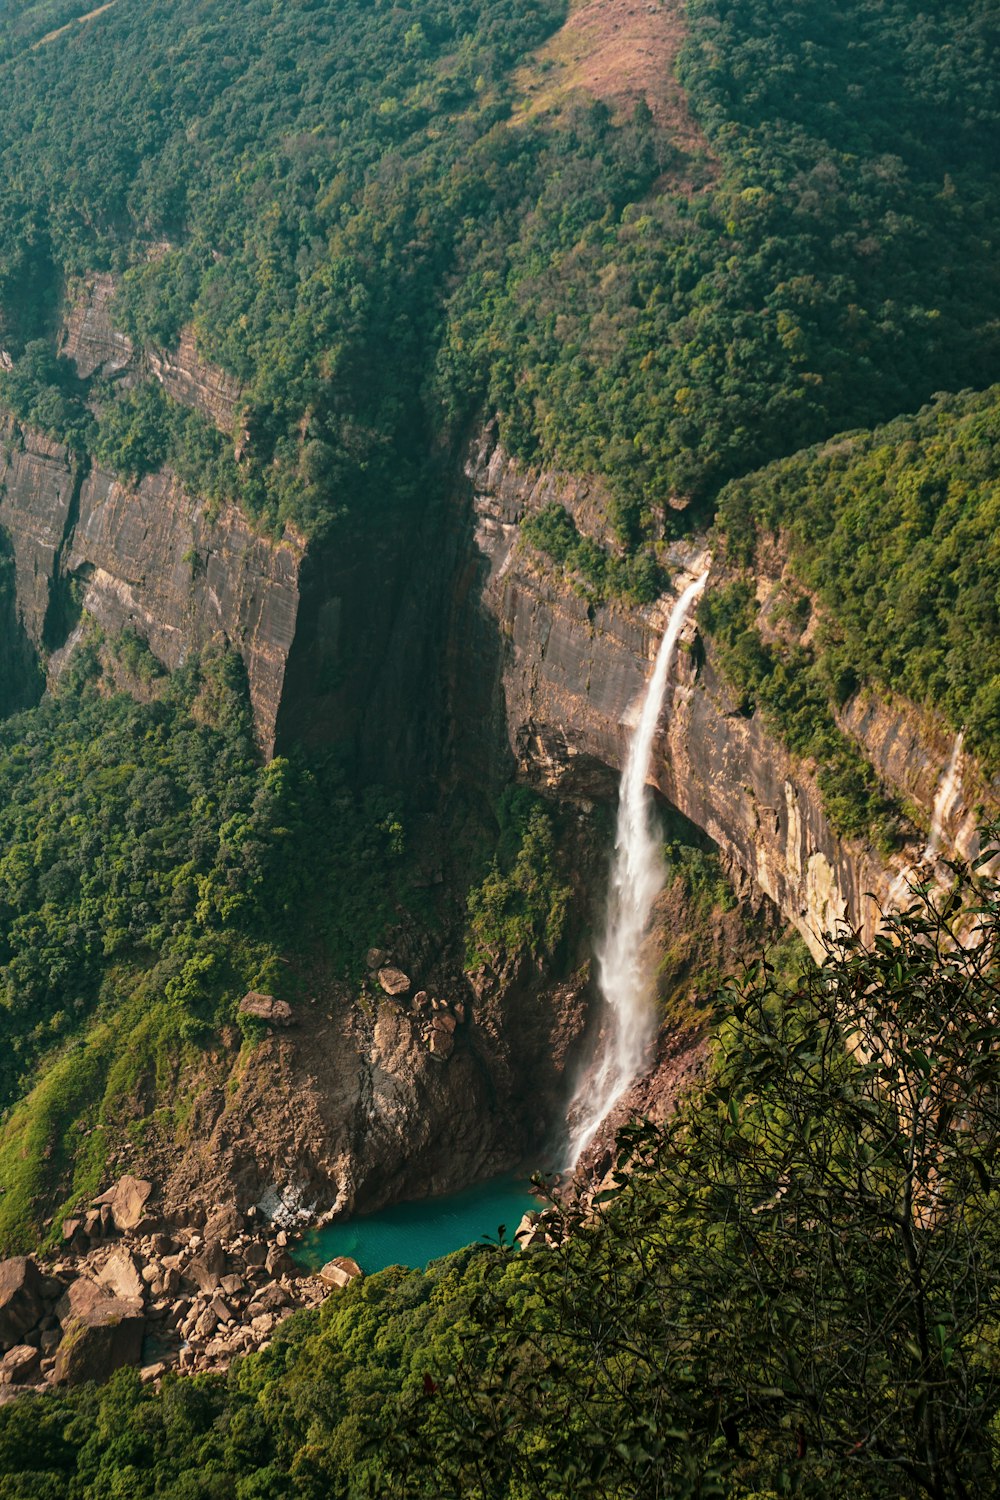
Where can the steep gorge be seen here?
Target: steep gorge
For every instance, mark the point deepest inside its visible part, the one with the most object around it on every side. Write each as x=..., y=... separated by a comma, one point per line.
x=446, y=654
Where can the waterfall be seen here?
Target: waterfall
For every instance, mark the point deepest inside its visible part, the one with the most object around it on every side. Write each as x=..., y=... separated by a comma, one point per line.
x=637, y=875
x=945, y=796
x=948, y=788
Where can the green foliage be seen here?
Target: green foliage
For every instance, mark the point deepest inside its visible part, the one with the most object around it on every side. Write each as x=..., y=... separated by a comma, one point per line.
x=337, y=199
x=521, y=905
x=44, y=390
x=706, y=888
x=836, y=268
x=635, y=576
x=895, y=532
x=791, y=687
x=151, y=871
x=279, y=177
x=790, y=1289
x=141, y=429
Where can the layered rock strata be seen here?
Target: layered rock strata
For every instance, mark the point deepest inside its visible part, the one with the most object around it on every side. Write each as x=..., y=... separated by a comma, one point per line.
x=96, y=346
x=153, y=558
x=571, y=682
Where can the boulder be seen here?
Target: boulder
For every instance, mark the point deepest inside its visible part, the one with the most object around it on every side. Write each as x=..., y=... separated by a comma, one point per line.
x=270, y=1299
x=207, y=1269
x=81, y=1297
x=121, y=1277
x=128, y=1203
x=98, y=1338
x=393, y=981
x=266, y=1008
x=280, y=1263
x=221, y=1309
x=225, y=1223
x=20, y=1365
x=340, y=1272
x=441, y=1043
x=71, y=1227
x=206, y=1324
x=22, y=1300
x=375, y=959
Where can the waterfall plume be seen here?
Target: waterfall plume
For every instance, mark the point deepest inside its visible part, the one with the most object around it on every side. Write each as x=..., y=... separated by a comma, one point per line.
x=637, y=876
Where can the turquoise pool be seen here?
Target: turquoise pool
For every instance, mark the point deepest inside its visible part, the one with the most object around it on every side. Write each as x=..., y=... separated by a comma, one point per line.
x=411, y=1234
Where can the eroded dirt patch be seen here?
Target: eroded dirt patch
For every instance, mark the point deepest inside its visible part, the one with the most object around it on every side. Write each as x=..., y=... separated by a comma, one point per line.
x=618, y=51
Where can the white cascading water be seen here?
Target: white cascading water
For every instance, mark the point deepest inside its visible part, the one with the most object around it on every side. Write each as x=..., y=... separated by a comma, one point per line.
x=637, y=877
x=948, y=788
x=946, y=792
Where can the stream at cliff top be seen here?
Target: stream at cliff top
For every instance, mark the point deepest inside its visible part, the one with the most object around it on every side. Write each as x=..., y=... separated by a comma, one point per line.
x=412, y=1234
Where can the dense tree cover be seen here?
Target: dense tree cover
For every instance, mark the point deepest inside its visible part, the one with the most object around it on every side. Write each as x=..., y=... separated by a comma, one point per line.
x=895, y=531
x=791, y=688
x=151, y=871
x=290, y=177
x=522, y=904
x=790, y=1290
x=591, y=567
x=335, y=197
x=838, y=269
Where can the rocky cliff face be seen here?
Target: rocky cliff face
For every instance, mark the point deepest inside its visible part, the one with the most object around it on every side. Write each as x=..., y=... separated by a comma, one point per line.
x=153, y=558
x=89, y=338
x=573, y=676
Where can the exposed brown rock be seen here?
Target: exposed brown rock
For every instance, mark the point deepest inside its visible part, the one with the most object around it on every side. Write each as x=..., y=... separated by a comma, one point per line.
x=280, y=1263
x=128, y=1202
x=20, y=1365
x=572, y=675
x=192, y=381
x=207, y=1270
x=266, y=1008
x=340, y=1272
x=393, y=981
x=89, y=337
x=98, y=1338
x=21, y=1298
x=120, y=1275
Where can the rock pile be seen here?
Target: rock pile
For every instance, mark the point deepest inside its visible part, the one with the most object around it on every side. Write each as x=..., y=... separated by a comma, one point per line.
x=129, y=1290
x=435, y=1018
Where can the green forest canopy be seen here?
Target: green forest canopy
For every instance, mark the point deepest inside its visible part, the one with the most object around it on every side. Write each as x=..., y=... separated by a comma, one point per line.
x=336, y=198
x=896, y=532
x=759, y=1307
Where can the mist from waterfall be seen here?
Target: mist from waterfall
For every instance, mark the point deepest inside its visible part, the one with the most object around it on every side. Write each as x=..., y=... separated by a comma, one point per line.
x=637, y=876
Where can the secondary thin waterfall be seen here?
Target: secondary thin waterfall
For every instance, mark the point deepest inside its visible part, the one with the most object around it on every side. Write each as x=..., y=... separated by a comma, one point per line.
x=950, y=783
x=948, y=788
x=637, y=876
